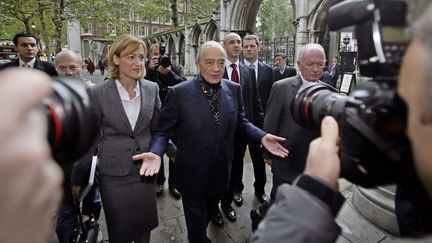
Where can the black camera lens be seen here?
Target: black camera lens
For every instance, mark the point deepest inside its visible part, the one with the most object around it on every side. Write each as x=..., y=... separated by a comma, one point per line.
x=164, y=61
x=72, y=125
x=373, y=147
x=313, y=102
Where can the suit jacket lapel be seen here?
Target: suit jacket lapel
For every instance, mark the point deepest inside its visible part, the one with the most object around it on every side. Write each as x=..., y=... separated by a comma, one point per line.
x=225, y=76
x=225, y=112
x=114, y=97
x=38, y=65
x=243, y=73
x=200, y=103
x=145, y=109
x=296, y=85
x=260, y=74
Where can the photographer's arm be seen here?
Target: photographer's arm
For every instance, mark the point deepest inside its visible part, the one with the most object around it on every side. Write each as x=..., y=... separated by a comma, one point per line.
x=305, y=211
x=174, y=74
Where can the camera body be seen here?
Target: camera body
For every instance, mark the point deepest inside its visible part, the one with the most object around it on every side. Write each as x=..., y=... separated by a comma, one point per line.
x=374, y=148
x=163, y=59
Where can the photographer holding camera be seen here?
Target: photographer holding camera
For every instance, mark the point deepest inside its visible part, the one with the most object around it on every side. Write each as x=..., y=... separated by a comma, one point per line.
x=161, y=70
x=305, y=211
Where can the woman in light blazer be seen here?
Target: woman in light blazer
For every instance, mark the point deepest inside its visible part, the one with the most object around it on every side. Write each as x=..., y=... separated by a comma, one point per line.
x=128, y=108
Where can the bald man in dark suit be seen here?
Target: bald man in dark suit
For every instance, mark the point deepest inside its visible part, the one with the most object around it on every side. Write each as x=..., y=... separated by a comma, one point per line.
x=238, y=72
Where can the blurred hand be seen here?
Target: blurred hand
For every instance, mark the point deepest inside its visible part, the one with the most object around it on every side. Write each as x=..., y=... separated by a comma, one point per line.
x=30, y=181
x=154, y=62
x=323, y=159
x=151, y=163
x=164, y=70
x=271, y=143
x=268, y=161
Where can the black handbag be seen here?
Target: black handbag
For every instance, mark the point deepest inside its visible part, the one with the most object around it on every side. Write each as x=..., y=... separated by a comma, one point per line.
x=87, y=227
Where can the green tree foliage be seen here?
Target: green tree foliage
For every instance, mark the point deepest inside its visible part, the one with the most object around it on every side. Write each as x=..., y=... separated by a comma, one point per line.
x=48, y=18
x=275, y=19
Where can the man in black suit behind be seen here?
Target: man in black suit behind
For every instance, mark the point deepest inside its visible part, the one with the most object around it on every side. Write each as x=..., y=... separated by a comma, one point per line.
x=281, y=70
x=165, y=77
x=238, y=72
x=26, y=46
x=264, y=79
x=204, y=113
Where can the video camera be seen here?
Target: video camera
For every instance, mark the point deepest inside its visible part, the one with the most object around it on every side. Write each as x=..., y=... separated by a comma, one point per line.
x=72, y=125
x=163, y=59
x=374, y=148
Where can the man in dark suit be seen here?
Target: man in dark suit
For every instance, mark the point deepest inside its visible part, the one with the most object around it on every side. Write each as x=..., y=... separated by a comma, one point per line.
x=335, y=71
x=204, y=113
x=264, y=79
x=238, y=72
x=26, y=46
x=278, y=119
x=281, y=70
x=165, y=77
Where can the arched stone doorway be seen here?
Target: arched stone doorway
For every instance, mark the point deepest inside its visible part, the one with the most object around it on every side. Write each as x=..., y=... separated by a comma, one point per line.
x=181, y=50
x=212, y=31
x=172, y=50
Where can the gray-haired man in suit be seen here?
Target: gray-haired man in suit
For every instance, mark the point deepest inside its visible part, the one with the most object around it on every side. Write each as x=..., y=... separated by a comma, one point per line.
x=278, y=119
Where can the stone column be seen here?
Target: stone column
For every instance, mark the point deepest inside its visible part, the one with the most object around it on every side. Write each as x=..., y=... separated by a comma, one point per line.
x=378, y=206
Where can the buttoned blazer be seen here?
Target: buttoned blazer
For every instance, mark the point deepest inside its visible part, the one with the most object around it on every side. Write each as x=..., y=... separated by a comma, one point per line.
x=288, y=72
x=265, y=81
x=279, y=121
x=204, y=150
x=118, y=142
x=251, y=100
x=46, y=67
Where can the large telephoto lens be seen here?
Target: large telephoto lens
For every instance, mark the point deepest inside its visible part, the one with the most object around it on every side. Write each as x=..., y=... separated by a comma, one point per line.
x=313, y=102
x=72, y=125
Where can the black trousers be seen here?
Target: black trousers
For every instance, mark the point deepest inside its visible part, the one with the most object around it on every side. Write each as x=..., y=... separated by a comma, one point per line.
x=161, y=178
x=198, y=213
x=236, y=180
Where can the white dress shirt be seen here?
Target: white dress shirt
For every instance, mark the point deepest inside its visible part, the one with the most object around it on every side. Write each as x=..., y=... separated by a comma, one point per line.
x=254, y=66
x=229, y=68
x=30, y=64
x=131, y=107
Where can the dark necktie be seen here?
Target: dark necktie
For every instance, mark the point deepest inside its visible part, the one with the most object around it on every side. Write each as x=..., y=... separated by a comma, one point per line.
x=234, y=73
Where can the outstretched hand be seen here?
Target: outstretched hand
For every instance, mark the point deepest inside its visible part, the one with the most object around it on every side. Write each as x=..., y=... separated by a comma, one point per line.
x=271, y=143
x=151, y=163
x=323, y=159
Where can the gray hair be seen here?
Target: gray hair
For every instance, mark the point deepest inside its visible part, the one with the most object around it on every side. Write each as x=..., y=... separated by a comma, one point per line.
x=68, y=53
x=210, y=44
x=310, y=47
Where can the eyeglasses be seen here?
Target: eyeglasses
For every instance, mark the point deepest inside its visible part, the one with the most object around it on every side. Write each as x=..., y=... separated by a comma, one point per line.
x=65, y=68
